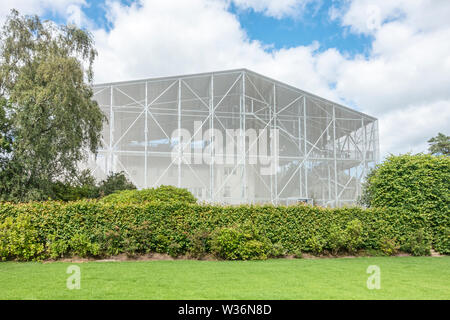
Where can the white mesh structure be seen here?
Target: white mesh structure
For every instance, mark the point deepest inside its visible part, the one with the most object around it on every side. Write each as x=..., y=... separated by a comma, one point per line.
x=322, y=153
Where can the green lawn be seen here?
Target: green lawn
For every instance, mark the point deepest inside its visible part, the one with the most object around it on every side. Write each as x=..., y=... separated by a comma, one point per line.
x=341, y=278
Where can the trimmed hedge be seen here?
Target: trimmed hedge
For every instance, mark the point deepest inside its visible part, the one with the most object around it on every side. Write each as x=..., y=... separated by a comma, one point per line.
x=92, y=228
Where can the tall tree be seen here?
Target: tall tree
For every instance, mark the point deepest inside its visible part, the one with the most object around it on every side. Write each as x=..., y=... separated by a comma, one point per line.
x=439, y=144
x=50, y=120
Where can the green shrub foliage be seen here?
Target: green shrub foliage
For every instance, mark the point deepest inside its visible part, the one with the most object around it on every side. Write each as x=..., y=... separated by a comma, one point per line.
x=51, y=229
x=240, y=243
x=162, y=193
x=414, y=184
x=19, y=238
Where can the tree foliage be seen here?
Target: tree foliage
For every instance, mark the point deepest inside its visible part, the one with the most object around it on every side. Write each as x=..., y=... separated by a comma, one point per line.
x=115, y=181
x=48, y=118
x=439, y=145
x=85, y=187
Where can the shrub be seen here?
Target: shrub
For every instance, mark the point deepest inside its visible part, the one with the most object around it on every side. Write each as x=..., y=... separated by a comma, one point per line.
x=57, y=248
x=240, y=244
x=298, y=254
x=336, y=239
x=278, y=250
x=389, y=246
x=174, y=249
x=162, y=193
x=441, y=240
x=353, y=235
x=161, y=243
x=418, y=243
x=19, y=239
x=226, y=243
x=200, y=244
x=315, y=244
x=414, y=184
x=81, y=245
x=253, y=250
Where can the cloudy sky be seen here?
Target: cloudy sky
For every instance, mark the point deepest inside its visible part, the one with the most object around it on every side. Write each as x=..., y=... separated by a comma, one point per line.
x=388, y=58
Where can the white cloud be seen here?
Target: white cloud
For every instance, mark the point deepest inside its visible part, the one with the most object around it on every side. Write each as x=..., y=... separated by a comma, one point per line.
x=160, y=38
x=367, y=16
x=64, y=8
x=275, y=8
x=75, y=15
x=403, y=81
x=408, y=129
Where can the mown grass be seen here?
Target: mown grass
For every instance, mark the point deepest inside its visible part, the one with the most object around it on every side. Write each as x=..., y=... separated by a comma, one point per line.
x=340, y=278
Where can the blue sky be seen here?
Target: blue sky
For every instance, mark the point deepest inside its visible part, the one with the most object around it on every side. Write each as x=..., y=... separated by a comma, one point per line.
x=314, y=25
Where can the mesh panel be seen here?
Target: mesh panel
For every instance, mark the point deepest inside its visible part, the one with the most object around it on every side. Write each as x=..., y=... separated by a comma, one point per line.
x=323, y=150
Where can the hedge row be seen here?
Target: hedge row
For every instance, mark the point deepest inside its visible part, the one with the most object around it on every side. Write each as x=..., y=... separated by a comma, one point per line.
x=91, y=228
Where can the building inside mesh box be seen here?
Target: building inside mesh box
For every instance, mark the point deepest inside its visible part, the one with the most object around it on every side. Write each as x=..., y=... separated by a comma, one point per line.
x=235, y=137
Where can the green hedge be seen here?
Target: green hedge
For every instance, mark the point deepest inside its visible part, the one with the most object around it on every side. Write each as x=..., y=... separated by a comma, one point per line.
x=414, y=183
x=91, y=228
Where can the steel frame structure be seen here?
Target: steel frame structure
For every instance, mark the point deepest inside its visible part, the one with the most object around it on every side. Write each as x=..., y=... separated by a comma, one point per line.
x=323, y=152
